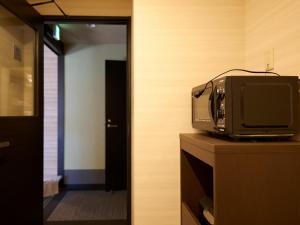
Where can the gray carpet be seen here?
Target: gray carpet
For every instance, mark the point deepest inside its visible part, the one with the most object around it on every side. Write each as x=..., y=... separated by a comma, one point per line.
x=46, y=201
x=91, y=205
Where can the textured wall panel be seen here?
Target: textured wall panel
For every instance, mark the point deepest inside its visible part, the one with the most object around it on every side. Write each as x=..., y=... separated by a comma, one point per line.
x=176, y=45
x=50, y=112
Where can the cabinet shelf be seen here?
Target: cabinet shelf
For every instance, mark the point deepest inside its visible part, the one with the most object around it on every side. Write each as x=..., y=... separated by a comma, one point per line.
x=188, y=218
x=248, y=182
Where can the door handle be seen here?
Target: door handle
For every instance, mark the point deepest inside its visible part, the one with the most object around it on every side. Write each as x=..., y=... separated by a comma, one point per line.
x=4, y=144
x=112, y=125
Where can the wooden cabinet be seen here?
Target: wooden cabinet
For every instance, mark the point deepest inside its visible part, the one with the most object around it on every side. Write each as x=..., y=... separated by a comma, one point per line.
x=250, y=183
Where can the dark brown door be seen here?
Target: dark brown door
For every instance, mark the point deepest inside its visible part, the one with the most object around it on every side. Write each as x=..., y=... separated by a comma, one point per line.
x=21, y=114
x=115, y=160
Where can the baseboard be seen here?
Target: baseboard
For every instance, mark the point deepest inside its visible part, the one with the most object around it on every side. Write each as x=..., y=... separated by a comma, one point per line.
x=78, y=187
x=84, y=177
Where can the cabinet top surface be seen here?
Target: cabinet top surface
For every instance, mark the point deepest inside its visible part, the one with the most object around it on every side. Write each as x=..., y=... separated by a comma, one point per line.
x=222, y=145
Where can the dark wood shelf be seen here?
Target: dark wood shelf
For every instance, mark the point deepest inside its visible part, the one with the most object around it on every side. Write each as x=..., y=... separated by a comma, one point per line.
x=250, y=183
x=188, y=216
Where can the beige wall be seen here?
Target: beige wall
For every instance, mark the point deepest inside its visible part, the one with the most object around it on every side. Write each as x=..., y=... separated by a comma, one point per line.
x=273, y=24
x=176, y=45
x=85, y=104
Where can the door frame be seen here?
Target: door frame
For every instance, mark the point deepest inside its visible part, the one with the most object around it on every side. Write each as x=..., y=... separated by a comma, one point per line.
x=104, y=20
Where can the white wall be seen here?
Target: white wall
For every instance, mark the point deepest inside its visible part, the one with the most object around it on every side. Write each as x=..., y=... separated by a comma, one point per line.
x=85, y=104
x=176, y=45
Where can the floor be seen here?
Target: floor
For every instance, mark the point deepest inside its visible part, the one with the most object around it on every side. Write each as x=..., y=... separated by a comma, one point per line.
x=86, y=207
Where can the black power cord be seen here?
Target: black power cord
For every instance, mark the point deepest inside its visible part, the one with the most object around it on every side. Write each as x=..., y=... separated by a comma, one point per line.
x=198, y=94
x=243, y=70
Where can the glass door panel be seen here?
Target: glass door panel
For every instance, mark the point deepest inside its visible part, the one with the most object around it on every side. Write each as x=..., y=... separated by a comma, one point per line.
x=17, y=51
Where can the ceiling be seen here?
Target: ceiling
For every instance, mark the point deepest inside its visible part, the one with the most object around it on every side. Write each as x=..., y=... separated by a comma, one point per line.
x=81, y=33
x=85, y=7
x=100, y=34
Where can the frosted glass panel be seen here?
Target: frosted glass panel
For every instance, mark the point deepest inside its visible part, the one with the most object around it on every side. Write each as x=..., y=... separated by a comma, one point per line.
x=17, y=50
